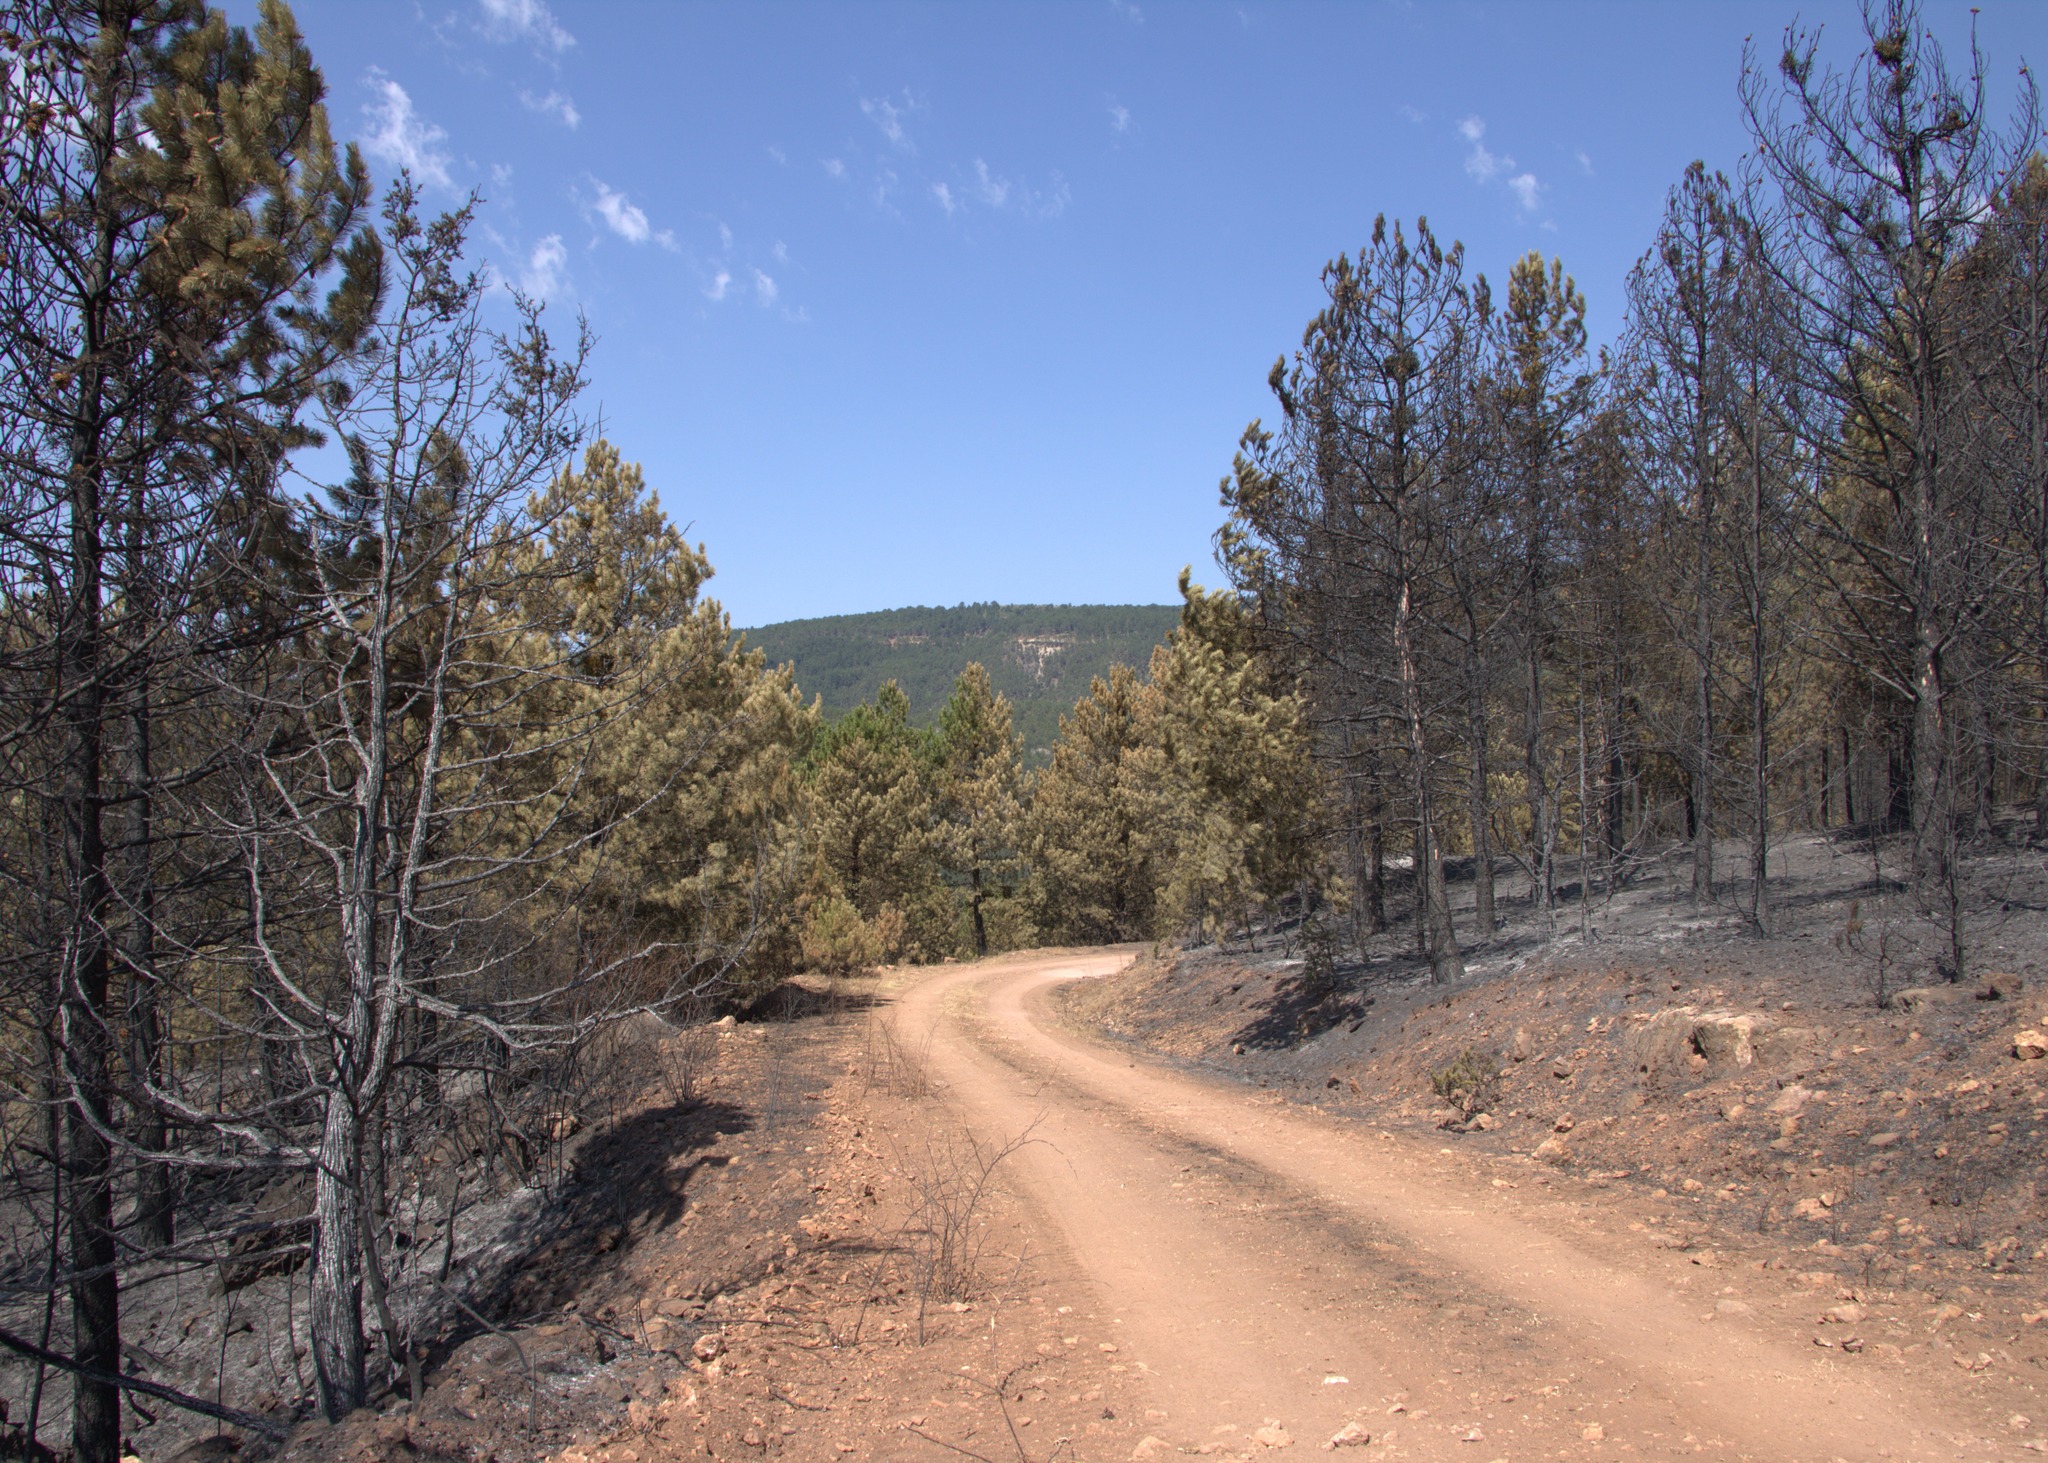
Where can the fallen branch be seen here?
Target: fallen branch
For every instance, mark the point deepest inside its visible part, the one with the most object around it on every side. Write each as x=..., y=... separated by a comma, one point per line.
x=246, y=1420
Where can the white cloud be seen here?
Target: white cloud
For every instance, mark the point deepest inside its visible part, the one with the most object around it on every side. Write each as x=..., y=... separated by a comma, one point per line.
x=1129, y=11
x=993, y=191
x=401, y=137
x=725, y=236
x=625, y=219
x=946, y=199
x=1414, y=114
x=720, y=282
x=501, y=173
x=888, y=117
x=1585, y=163
x=628, y=220
x=543, y=276
x=1119, y=117
x=781, y=157
x=764, y=288
x=555, y=105
x=524, y=20
x=781, y=252
x=834, y=167
x=1482, y=164
x=884, y=114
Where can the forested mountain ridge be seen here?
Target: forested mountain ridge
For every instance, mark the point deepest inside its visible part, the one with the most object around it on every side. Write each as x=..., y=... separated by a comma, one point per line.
x=1039, y=656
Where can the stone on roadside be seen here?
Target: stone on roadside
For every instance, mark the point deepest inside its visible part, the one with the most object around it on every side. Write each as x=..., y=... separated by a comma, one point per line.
x=708, y=1347
x=1553, y=1150
x=1351, y=1435
x=1927, y=997
x=1152, y=1446
x=2029, y=1045
x=1272, y=1435
x=1521, y=1046
x=1592, y=1432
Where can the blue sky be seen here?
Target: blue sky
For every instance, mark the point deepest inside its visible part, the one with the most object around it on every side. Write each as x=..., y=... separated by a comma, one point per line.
x=921, y=304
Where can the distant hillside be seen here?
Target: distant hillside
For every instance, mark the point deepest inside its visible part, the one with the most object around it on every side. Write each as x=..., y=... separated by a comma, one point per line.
x=1040, y=656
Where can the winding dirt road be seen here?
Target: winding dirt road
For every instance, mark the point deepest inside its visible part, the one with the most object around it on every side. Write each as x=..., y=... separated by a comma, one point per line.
x=1268, y=1266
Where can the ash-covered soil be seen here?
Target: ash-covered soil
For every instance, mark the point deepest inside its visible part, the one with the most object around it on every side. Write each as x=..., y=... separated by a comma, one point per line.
x=784, y=1263
x=1747, y=1090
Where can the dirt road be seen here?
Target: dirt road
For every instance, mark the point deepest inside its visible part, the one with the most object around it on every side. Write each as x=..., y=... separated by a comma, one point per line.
x=1272, y=1268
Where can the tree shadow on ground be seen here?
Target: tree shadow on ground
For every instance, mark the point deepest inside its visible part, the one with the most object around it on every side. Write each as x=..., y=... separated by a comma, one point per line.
x=627, y=1184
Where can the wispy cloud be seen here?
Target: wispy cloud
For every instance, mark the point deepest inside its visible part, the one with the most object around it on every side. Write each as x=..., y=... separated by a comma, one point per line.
x=1129, y=11
x=544, y=275
x=1483, y=165
x=720, y=283
x=1119, y=117
x=1413, y=115
x=997, y=193
x=524, y=20
x=626, y=218
x=555, y=104
x=1585, y=163
x=400, y=136
x=888, y=118
x=781, y=157
x=993, y=191
x=834, y=168
x=765, y=291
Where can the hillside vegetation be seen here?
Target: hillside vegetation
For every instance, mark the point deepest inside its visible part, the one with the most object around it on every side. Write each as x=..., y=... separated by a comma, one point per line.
x=1039, y=656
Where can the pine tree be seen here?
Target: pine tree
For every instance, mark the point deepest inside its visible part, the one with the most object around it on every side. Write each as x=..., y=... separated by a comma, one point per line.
x=1092, y=874
x=977, y=783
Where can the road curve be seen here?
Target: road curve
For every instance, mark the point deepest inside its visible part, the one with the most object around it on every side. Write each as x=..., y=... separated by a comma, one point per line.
x=1270, y=1265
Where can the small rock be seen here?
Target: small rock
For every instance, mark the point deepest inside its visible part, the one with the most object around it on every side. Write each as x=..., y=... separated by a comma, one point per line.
x=1727, y=1307
x=1272, y=1435
x=1592, y=1432
x=1564, y=1124
x=1814, y=1207
x=708, y=1347
x=1853, y=1345
x=1481, y=1123
x=1561, y=1071
x=1791, y=1100
x=1922, y=998
x=2029, y=1045
x=1152, y=1446
x=1351, y=1435
x=1237, y=1048
x=1882, y=1140
x=207, y=1450
x=726, y=1022
x=1474, y=1436
x=1848, y=1313
x=1521, y=1046
x=1552, y=1150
